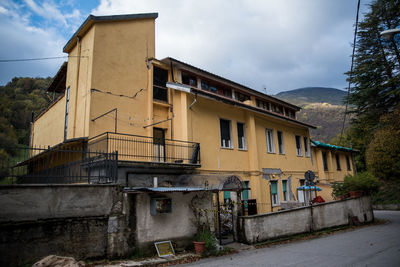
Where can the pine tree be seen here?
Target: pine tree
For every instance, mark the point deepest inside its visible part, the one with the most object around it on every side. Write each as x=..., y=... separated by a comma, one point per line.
x=375, y=80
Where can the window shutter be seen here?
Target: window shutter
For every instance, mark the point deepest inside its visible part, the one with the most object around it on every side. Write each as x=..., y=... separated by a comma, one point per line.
x=274, y=189
x=284, y=186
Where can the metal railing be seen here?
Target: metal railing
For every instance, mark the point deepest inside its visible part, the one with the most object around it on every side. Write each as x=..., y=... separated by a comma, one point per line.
x=40, y=165
x=146, y=149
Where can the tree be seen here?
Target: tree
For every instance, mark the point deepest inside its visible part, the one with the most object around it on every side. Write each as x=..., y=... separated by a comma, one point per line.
x=383, y=153
x=375, y=81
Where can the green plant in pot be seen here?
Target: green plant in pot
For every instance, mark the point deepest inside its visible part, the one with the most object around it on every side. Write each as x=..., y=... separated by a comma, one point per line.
x=204, y=240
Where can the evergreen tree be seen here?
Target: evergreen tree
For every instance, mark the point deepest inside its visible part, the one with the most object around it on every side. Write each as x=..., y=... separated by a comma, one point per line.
x=375, y=80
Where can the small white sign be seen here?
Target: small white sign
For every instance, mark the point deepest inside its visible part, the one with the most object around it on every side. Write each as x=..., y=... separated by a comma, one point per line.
x=178, y=86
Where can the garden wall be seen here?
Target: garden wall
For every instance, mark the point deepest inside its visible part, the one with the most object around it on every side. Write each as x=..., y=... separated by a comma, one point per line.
x=259, y=228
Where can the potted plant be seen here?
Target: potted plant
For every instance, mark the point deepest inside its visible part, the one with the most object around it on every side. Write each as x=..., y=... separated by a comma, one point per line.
x=204, y=240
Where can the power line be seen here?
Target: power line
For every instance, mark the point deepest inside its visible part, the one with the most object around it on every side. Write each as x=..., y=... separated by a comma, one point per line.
x=34, y=59
x=351, y=72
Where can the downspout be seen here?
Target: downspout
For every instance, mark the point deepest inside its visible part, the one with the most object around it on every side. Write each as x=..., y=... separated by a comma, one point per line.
x=77, y=82
x=194, y=101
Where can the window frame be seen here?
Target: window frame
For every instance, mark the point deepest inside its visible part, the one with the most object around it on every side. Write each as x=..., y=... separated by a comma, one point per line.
x=348, y=162
x=272, y=149
x=286, y=193
x=163, y=90
x=299, y=150
x=230, y=134
x=281, y=150
x=275, y=201
x=244, y=141
x=338, y=166
x=306, y=147
x=325, y=161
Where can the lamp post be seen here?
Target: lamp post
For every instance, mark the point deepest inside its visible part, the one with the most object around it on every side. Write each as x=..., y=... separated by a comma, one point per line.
x=389, y=36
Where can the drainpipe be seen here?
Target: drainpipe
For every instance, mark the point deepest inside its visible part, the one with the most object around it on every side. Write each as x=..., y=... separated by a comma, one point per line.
x=77, y=81
x=194, y=101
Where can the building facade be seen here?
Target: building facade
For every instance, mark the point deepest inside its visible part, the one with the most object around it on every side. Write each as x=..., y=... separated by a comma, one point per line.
x=173, y=121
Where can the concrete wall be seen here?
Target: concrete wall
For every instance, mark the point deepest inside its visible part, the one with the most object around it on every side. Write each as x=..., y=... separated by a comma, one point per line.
x=177, y=225
x=25, y=203
x=67, y=220
x=259, y=228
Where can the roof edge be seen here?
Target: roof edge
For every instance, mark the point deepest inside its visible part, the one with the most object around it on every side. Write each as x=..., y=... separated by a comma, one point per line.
x=91, y=19
x=235, y=83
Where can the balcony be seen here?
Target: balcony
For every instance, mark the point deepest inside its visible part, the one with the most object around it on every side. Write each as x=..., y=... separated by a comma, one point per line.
x=147, y=150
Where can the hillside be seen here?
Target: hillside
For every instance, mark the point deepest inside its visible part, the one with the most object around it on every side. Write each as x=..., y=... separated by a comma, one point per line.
x=321, y=107
x=307, y=95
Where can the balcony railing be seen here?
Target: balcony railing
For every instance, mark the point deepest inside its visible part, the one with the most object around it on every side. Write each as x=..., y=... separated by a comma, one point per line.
x=146, y=149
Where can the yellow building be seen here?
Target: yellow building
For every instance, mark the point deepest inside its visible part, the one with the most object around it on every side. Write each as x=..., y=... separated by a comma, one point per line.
x=171, y=120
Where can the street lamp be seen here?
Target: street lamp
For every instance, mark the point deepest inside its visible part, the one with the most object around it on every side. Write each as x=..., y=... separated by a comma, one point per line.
x=389, y=33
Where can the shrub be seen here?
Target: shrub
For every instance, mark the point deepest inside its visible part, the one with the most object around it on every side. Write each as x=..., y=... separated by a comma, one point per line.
x=208, y=238
x=363, y=181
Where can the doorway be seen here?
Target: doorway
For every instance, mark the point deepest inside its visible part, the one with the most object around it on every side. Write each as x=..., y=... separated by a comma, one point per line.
x=159, y=144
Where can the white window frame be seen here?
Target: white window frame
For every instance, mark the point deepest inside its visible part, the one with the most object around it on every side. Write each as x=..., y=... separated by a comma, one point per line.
x=281, y=150
x=230, y=143
x=269, y=135
x=277, y=198
x=306, y=147
x=299, y=151
x=244, y=138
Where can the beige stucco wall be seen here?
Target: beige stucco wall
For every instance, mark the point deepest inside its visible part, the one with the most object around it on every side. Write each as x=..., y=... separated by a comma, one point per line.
x=48, y=129
x=119, y=66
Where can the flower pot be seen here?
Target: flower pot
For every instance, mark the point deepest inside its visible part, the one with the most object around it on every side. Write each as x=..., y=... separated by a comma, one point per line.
x=199, y=247
x=356, y=193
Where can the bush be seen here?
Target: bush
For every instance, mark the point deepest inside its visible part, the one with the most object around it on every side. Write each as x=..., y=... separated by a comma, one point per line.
x=363, y=181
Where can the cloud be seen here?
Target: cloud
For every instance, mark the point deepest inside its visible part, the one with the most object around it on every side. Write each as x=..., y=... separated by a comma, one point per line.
x=25, y=40
x=282, y=44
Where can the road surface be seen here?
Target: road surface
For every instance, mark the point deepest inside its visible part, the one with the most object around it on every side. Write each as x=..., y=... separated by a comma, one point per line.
x=377, y=245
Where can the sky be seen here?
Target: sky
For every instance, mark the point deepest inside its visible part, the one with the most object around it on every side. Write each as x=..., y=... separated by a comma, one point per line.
x=276, y=45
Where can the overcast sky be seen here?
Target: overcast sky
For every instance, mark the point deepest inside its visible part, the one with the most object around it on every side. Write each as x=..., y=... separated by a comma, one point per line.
x=280, y=45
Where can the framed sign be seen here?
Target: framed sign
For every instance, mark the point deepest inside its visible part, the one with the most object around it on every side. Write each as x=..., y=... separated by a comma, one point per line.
x=164, y=249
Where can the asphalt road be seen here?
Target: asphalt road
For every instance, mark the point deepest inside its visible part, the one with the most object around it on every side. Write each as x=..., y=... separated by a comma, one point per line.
x=377, y=245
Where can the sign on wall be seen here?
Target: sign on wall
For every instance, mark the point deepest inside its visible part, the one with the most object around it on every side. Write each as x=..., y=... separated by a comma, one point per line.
x=164, y=249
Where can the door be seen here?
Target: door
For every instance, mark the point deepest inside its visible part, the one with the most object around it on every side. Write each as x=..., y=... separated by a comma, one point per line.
x=159, y=144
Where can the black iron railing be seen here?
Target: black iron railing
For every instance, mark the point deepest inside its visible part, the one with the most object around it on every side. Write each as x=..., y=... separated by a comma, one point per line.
x=40, y=165
x=146, y=149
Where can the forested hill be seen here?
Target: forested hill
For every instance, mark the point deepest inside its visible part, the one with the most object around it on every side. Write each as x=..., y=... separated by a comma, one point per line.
x=19, y=98
x=313, y=95
x=321, y=106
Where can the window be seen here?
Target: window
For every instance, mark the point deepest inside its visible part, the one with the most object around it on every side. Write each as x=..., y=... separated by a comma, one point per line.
x=299, y=151
x=262, y=104
x=225, y=127
x=241, y=97
x=281, y=146
x=285, y=191
x=270, y=140
x=66, y=113
x=348, y=163
x=160, y=90
x=306, y=147
x=205, y=85
x=241, y=136
x=189, y=79
x=325, y=161
x=274, y=193
x=338, y=162
x=246, y=194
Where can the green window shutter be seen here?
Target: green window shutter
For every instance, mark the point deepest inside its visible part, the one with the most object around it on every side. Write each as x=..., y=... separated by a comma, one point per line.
x=227, y=194
x=284, y=186
x=274, y=189
x=245, y=193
